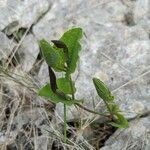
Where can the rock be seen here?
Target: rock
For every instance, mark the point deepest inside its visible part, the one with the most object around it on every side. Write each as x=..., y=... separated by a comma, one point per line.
x=136, y=137
x=16, y=14
x=134, y=96
x=136, y=56
x=64, y=14
x=6, y=46
x=27, y=115
x=28, y=52
x=46, y=27
x=43, y=75
x=142, y=14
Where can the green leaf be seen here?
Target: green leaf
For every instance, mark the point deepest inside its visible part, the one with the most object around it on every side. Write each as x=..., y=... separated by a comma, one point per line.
x=47, y=92
x=120, y=122
x=53, y=57
x=103, y=90
x=71, y=39
x=65, y=86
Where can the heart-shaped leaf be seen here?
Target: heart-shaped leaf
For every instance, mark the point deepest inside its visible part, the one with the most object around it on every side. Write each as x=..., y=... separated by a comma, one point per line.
x=71, y=39
x=47, y=92
x=64, y=85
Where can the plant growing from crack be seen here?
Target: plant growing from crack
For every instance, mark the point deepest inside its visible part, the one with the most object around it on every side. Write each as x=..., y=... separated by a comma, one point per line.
x=62, y=56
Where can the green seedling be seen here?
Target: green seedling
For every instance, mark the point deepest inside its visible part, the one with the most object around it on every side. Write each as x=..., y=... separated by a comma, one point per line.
x=106, y=95
x=62, y=56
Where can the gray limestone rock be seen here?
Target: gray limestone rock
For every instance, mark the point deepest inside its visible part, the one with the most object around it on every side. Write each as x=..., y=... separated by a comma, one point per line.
x=43, y=76
x=64, y=14
x=17, y=14
x=136, y=137
x=6, y=46
x=28, y=52
x=141, y=13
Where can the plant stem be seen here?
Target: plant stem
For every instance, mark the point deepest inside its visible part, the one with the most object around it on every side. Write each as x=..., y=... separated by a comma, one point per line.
x=111, y=114
x=65, y=124
x=91, y=111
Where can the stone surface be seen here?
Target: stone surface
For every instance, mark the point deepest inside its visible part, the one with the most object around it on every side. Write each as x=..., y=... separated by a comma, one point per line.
x=136, y=137
x=21, y=13
x=28, y=52
x=6, y=46
x=43, y=76
x=142, y=13
x=134, y=97
x=64, y=14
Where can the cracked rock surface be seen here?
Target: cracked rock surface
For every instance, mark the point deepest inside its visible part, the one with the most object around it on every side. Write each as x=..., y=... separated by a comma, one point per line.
x=6, y=46
x=136, y=137
x=28, y=52
x=14, y=13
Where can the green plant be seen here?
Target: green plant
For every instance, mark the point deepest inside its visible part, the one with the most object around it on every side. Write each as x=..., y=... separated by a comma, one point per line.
x=62, y=56
x=115, y=113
